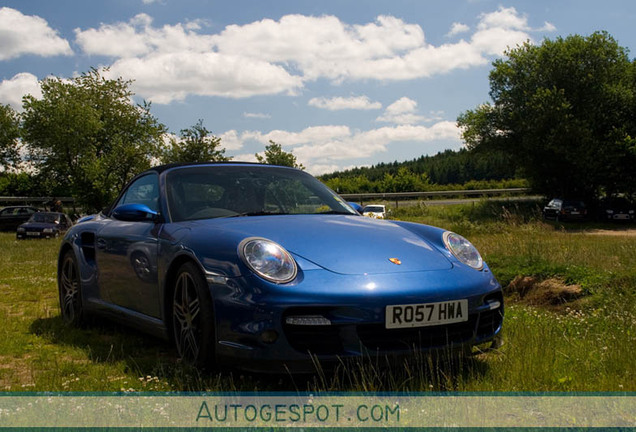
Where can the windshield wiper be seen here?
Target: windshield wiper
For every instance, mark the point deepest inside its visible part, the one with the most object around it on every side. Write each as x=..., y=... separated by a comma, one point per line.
x=337, y=212
x=258, y=213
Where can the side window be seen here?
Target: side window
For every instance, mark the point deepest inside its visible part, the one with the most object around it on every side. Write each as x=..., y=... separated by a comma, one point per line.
x=145, y=190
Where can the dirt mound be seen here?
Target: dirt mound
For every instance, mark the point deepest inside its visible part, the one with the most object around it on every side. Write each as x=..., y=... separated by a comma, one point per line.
x=549, y=292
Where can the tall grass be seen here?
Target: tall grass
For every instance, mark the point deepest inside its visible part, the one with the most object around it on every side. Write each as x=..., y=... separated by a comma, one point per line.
x=586, y=345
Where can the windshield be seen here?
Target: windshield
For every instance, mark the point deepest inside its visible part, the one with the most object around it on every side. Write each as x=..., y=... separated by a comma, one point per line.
x=374, y=209
x=202, y=192
x=45, y=218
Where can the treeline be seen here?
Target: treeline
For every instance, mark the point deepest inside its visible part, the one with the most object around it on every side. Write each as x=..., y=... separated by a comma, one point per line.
x=446, y=170
x=29, y=185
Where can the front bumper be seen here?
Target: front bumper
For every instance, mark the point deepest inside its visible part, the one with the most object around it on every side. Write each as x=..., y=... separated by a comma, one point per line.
x=35, y=234
x=254, y=333
x=620, y=217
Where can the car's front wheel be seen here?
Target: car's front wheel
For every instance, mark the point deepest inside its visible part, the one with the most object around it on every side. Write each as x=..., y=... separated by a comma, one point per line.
x=70, y=291
x=192, y=317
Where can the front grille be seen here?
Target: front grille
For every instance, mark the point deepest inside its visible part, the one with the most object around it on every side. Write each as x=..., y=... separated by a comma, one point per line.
x=340, y=338
x=314, y=339
x=489, y=322
x=377, y=337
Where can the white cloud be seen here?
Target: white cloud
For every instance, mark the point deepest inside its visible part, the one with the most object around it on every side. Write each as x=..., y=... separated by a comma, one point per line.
x=26, y=34
x=368, y=143
x=388, y=49
x=12, y=90
x=505, y=18
x=245, y=157
x=340, y=103
x=309, y=135
x=457, y=28
x=320, y=169
x=503, y=29
x=230, y=140
x=495, y=41
x=271, y=57
x=548, y=27
x=137, y=37
x=320, y=147
x=256, y=115
x=402, y=111
x=320, y=46
x=164, y=78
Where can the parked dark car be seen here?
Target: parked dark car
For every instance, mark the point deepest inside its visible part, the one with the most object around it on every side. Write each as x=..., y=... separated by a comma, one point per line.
x=562, y=210
x=11, y=217
x=44, y=225
x=616, y=209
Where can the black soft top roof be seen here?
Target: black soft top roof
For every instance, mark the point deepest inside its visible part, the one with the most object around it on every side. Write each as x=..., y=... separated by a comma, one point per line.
x=162, y=168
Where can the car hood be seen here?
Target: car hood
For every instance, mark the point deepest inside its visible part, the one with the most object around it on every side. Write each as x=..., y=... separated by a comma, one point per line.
x=341, y=244
x=39, y=225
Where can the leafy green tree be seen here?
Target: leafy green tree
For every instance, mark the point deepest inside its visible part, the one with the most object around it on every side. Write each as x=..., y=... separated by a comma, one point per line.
x=87, y=135
x=196, y=145
x=565, y=111
x=27, y=185
x=9, y=136
x=404, y=181
x=275, y=155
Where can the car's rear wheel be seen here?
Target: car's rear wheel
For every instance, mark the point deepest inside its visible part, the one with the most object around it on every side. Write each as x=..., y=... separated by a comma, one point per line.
x=192, y=317
x=70, y=290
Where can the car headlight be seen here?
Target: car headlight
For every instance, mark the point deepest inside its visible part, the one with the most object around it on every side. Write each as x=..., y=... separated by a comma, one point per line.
x=463, y=250
x=268, y=259
x=47, y=230
x=21, y=230
x=609, y=211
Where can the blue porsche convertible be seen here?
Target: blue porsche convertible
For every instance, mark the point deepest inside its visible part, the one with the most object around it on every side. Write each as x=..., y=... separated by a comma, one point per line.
x=266, y=269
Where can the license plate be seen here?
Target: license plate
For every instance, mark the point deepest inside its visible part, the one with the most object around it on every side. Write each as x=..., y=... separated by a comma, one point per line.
x=575, y=213
x=31, y=233
x=426, y=314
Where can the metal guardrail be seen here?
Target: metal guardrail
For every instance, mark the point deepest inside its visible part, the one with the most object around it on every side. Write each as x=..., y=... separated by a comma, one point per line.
x=390, y=196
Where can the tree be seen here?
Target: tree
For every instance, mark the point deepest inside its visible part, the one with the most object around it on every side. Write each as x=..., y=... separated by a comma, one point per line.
x=565, y=111
x=87, y=135
x=196, y=145
x=275, y=155
x=24, y=184
x=9, y=136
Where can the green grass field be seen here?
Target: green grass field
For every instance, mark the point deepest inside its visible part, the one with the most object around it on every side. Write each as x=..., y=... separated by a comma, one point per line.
x=570, y=321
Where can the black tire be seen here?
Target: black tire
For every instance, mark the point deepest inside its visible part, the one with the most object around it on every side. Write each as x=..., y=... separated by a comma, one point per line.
x=70, y=291
x=193, y=317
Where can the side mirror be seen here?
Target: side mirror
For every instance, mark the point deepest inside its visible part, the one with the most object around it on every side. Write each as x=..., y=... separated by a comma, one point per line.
x=135, y=213
x=357, y=207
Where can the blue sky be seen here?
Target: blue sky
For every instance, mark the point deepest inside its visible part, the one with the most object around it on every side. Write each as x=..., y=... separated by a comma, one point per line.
x=339, y=83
